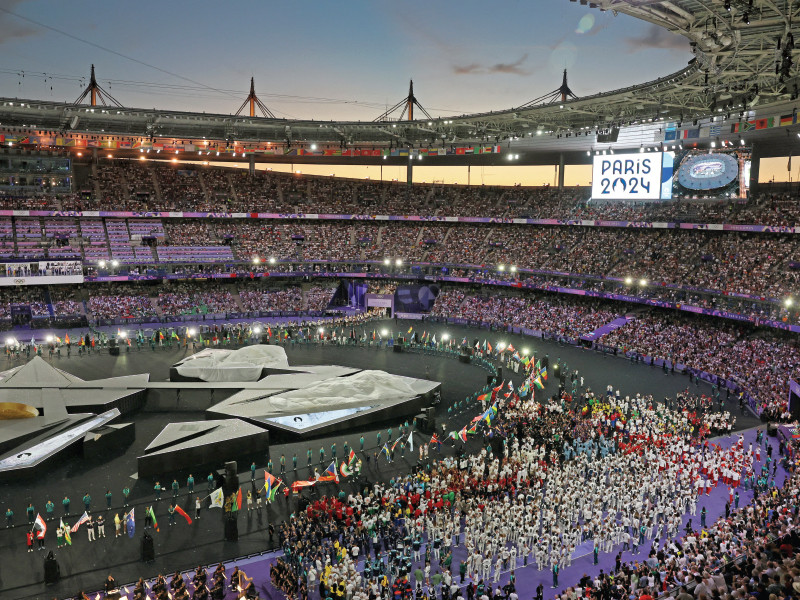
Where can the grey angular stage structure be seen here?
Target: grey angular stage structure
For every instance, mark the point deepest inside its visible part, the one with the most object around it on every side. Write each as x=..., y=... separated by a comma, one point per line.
x=192, y=444
x=44, y=411
x=264, y=396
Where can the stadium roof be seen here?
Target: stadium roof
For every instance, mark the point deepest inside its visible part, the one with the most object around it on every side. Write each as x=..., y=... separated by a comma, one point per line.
x=743, y=60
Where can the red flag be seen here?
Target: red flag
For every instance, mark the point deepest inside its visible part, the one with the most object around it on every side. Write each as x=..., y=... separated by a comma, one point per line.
x=182, y=513
x=239, y=499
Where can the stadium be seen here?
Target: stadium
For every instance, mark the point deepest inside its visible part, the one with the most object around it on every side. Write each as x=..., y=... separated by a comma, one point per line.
x=250, y=355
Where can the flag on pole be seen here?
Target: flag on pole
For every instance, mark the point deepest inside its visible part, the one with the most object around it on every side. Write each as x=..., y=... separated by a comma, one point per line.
x=40, y=526
x=84, y=518
x=153, y=518
x=537, y=383
x=182, y=513
x=385, y=451
x=543, y=373
x=301, y=483
x=462, y=435
x=65, y=530
x=329, y=474
x=217, y=498
x=351, y=458
x=66, y=338
x=435, y=440
x=131, y=524
x=411, y=441
x=271, y=485
x=344, y=469
x=410, y=329
x=237, y=501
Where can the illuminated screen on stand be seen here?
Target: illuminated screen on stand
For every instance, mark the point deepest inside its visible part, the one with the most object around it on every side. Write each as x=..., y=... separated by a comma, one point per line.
x=635, y=176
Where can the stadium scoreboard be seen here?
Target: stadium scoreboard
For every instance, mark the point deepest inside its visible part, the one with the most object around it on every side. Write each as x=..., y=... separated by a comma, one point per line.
x=634, y=176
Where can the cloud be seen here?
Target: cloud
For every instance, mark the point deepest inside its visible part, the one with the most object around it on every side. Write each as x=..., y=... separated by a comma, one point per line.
x=469, y=69
x=11, y=27
x=657, y=37
x=512, y=68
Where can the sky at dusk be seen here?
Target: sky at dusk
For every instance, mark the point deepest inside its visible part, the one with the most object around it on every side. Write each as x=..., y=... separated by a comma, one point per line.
x=346, y=59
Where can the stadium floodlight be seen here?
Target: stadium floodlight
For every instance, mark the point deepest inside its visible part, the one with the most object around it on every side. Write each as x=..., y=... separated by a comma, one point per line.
x=9, y=341
x=387, y=261
x=49, y=338
x=321, y=330
x=513, y=268
x=788, y=302
x=115, y=263
x=256, y=260
x=445, y=336
x=641, y=148
x=399, y=262
x=313, y=146
x=501, y=268
x=102, y=264
x=272, y=260
x=123, y=334
x=501, y=346
x=643, y=282
x=384, y=332
x=525, y=352
x=713, y=144
x=628, y=280
x=256, y=330
x=190, y=332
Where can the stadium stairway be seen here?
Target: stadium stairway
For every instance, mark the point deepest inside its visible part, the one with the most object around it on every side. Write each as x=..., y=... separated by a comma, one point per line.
x=210, y=201
x=156, y=185
x=238, y=301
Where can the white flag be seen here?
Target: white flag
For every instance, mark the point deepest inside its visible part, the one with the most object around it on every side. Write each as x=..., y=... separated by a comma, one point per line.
x=411, y=441
x=217, y=498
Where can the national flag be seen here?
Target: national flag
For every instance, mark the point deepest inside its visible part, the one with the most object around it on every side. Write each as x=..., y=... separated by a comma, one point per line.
x=175, y=335
x=217, y=498
x=131, y=524
x=345, y=470
x=84, y=518
x=510, y=348
x=538, y=383
x=511, y=385
x=301, y=483
x=153, y=518
x=411, y=441
x=182, y=513
x=462, y=435
x=482, y=397
x=410, y=329
x=435, y=440
x=40, y=526
x=787, y=120
x=543, y=373
x=385, y=451
x=237, y=500
x=434, y=339
x=271, y=485
x=538, y=366
x=329, y=474
x=473, y=430
x=65, y=530
x=489, y=346
x=499, y=387
x=66, y=338
x=269, y=331
x=351, y=458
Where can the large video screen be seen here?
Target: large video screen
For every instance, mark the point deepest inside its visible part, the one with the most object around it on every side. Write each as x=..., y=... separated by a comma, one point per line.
x=635, y=176
x=723, y=173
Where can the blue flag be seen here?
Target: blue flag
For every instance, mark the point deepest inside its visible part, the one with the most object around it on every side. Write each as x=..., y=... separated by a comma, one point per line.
x=131, y=524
